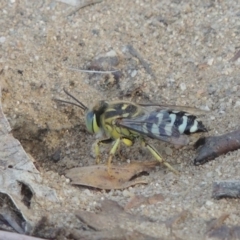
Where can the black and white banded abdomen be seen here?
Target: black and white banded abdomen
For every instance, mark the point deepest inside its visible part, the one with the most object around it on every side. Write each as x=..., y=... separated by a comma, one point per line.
x=186, y=123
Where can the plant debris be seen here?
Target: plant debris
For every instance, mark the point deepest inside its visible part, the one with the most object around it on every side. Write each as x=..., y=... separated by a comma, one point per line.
x=113, y=234
x=137, y=55
x=139, y=200
x=109, y=220
x=122, y=176
x=226, y=189
x=211, y=147
x=19, y=181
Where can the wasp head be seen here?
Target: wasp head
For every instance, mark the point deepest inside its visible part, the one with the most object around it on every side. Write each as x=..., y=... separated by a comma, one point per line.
x=92, y=116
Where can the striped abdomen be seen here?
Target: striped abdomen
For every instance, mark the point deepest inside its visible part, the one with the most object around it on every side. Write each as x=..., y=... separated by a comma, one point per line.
x=186, y=123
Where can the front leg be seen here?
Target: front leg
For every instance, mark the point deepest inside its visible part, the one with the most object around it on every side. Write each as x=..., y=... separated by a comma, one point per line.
x=97, y=147
x=114, y=148
x=112, y=153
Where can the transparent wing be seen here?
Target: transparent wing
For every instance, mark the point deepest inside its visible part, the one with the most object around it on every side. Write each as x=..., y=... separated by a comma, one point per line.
x=190, y=110
x=155, y=124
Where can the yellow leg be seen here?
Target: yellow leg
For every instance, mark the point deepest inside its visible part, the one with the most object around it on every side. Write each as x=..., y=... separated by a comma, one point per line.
x=127, y=142
x=158, y=157
x=97, y=147
x=111, y=154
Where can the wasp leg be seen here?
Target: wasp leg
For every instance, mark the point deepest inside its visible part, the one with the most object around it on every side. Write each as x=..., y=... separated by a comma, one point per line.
x=97, y=147
x=127, y=142
x=111, y=154
x=158, y=157
x=119, y=152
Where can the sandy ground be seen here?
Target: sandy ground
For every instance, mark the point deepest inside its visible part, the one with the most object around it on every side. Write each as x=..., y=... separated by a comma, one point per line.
x=188, y=46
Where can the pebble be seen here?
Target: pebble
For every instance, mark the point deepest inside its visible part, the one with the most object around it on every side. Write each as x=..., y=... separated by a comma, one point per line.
x=183, y=86
x=210, y=61
x=209, y=203
x=237, y=104
x=127, y=193
x=134, y=73
x=2, y=39
x=168, y=151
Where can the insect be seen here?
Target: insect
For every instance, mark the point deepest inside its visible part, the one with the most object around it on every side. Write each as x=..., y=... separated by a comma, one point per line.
x=126, y=122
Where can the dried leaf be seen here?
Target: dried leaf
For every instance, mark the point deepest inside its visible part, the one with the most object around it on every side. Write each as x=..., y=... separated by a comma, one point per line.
x=19, y=180
x=97, y=175
x=177, y=219
x=217, y=223
x=113, y=234
x=216, y=228
x=139, y=200
x=135, y=201
x=223, y=232
x=111, y=216
x=108, y=220
x=155, y=198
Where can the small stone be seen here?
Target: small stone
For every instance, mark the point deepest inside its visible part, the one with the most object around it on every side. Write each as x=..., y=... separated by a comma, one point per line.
x=87, y=192
x=127, y=193
x=56, y=155
x=134, y=73
x=168, y=151
x=209, y=203
x=237, y=104
x=67, y=180
x=183, y=86
x=210, y=61
x=2, y=39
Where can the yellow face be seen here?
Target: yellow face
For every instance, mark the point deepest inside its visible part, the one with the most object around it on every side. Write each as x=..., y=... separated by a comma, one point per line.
x=91, y=122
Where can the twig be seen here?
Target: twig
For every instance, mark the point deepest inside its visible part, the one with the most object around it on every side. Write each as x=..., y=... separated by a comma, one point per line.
x=236, y=56
x=83, y=5
x=91, y=71
x=136, y=54
x=212, y=147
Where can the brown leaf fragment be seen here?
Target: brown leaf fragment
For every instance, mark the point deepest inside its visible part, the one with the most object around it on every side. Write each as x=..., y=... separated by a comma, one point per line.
x=113, y=234
x=108, y=221
x=136, y=201
x=111, y=216
x=235, y=232
x=155, y=198
x=177, y=219
x=216, y=228
x=211, y=147
x=224, y=189
x=202, y=66
x=121, y=176
x=139, y=200
x=223, y=233
x=217, y=223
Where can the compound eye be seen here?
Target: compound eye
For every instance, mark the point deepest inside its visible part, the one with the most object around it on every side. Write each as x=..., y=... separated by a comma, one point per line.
x=91, y=122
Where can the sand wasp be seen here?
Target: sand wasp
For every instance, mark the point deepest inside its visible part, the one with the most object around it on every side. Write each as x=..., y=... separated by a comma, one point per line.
x=126, y=122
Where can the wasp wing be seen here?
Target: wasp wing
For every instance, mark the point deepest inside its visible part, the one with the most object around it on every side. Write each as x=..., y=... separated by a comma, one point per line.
x=155, y=124
x=190, y=110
